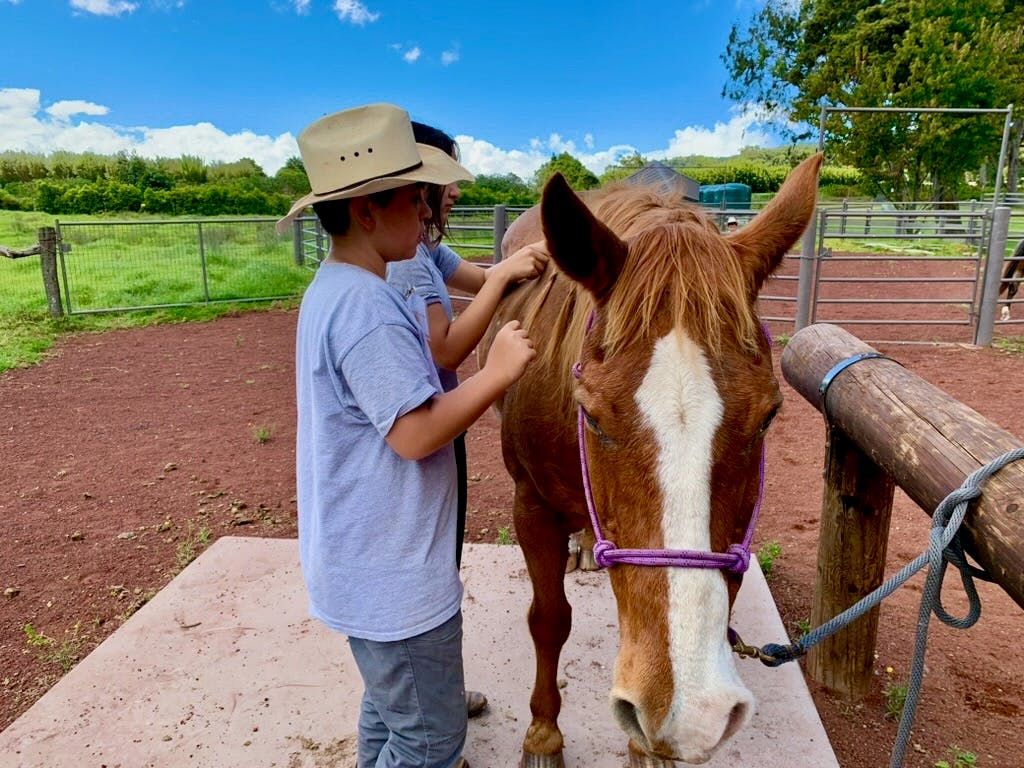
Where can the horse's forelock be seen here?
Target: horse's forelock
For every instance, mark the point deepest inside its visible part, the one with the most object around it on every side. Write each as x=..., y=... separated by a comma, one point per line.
x=678, y=262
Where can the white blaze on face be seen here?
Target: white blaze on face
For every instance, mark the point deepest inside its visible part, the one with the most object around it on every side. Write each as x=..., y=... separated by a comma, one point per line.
x=682, y=406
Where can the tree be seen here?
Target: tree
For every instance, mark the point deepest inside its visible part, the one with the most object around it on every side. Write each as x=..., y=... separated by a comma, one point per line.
x=497, y=189
x=900, y=53
x=572, y=169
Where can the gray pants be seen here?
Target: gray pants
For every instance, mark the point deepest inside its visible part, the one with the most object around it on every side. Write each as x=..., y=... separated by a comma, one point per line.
x=414, y=705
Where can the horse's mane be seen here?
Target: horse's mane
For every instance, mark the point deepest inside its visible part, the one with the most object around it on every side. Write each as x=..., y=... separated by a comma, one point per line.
x=676, y=258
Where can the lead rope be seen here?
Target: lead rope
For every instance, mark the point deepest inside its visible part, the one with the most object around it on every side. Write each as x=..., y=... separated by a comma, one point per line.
x=944, y=547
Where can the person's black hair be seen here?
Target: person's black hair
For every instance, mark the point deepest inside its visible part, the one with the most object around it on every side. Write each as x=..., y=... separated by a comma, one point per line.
x=335, y=216
x=436, y=225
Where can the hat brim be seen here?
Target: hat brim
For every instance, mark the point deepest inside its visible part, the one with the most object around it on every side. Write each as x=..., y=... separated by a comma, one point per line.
x=437, y=168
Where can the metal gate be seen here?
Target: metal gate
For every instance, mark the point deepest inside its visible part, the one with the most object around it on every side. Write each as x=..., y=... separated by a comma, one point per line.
x=872, y=267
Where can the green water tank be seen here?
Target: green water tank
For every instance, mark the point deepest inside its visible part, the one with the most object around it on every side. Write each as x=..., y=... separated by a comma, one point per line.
x=733, y=195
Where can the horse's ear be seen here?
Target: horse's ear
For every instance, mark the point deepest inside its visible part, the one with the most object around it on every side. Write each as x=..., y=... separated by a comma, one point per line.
x=584, y=248
x=763, y=242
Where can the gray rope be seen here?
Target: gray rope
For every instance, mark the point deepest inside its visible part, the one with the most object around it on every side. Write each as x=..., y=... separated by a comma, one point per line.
x=944, y=547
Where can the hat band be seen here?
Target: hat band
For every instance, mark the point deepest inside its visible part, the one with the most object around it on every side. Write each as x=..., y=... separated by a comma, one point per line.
x=361, y=182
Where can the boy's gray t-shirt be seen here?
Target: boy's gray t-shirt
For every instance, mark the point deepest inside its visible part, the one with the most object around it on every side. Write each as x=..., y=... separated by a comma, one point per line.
x=376, y=531
x=426, y=275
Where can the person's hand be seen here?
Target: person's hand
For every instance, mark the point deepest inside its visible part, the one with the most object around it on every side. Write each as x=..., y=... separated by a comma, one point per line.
x=525, y=264
x=510, y=353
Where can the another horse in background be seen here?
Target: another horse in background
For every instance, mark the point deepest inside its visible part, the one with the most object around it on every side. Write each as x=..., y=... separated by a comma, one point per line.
x=653, y=310
x=1013, y=273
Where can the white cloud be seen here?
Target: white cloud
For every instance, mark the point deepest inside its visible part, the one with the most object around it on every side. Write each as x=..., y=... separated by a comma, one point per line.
x=354, y=12
x=449, y=57
x=63, y=110
x=724, y=139
x=301, y=6
x=80, y=126
x=104, y=7
x=26, y=127
x=413, y=54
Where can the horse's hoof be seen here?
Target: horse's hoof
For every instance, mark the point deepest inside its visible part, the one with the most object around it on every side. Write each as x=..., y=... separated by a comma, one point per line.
x=541, y=761
x=573, y=560
x=646, y=761
x=587, y=561
x=1004, y=313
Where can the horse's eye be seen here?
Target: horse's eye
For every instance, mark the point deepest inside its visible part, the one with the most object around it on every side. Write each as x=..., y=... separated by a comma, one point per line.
x=594, y=427
x=768, y=421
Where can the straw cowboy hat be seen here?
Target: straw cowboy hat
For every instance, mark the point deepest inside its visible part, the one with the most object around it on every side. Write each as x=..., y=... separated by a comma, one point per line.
x=365, y=150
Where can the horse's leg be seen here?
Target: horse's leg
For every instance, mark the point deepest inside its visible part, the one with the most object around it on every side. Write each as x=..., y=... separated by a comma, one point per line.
x=545, y=547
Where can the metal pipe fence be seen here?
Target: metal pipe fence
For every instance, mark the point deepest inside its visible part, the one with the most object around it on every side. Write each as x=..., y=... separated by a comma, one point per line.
x=856, y=255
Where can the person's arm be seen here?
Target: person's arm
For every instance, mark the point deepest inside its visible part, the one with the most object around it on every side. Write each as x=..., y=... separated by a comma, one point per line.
x=468, y=277
x=451, y=341
x=442, y=418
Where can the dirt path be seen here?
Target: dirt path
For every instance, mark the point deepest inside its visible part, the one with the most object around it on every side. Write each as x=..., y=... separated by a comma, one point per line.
x=128, y=450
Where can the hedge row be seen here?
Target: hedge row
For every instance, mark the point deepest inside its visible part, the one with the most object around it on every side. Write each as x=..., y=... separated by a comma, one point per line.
x=763, y=178
x=114, y=197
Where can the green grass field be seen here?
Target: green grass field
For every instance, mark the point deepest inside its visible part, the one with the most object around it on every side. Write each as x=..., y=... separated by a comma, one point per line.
x=114, y=267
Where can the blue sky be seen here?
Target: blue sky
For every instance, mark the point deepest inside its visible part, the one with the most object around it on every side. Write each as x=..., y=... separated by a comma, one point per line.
x=515, y=82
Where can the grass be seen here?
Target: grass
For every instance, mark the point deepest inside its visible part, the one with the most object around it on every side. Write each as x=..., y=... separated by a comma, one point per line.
x=191, y=546
x=127, y=266
x=65, y=653
x=961, y=759
x=262, y=433
x=1012, y=344
x=505, y=536
x=767, y=555
x=894, y=694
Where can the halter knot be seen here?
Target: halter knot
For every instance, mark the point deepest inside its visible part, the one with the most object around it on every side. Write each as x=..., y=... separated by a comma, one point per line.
x=601, y=550
x=742, y=555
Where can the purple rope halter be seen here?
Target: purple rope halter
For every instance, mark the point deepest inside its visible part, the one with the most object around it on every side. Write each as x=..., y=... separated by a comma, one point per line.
x=735, y=559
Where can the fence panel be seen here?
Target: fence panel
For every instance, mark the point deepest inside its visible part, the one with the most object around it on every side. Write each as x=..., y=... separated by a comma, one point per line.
x=117, y=266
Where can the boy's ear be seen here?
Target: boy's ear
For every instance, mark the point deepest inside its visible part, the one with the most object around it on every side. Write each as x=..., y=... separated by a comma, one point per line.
x=360, y=212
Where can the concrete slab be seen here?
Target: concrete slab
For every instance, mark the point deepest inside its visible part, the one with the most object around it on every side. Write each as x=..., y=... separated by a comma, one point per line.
x=224, y=668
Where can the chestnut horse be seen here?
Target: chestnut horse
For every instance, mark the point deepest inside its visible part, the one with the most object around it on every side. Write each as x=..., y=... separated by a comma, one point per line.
x=1013, y=273
x=654, y=311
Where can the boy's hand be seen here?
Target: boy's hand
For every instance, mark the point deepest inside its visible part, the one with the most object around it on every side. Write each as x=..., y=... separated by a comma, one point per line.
x=510, y=353
x=526, y=263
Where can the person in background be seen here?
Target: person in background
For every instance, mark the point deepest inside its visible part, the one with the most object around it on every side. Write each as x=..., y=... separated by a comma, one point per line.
x=731, y=225
x=375, y=469
x=434, y=269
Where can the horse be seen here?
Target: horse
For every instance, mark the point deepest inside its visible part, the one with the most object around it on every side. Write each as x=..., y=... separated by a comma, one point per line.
x=653, y=371
x=1013, y=273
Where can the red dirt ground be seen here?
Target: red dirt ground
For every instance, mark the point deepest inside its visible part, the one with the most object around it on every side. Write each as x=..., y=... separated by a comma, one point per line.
x=126, y=448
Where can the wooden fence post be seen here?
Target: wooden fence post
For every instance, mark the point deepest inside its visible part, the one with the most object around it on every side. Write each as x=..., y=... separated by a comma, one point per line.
x=48, y=261
x=927, y=440
x=856, y=512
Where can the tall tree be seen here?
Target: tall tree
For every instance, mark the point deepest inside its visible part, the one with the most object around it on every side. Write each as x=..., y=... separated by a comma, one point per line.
x=577, y=174
x=794, y=58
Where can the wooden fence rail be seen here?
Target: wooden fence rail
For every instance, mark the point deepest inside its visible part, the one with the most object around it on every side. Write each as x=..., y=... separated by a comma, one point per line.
x=888, y=427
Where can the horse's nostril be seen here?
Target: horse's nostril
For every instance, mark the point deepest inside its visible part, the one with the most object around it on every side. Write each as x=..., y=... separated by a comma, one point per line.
x=737, y=717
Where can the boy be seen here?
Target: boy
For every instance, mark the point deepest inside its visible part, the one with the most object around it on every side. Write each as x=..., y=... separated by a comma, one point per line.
x=375, y=468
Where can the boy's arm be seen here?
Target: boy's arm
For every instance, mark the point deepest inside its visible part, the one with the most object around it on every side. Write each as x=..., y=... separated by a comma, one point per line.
x=442, y=418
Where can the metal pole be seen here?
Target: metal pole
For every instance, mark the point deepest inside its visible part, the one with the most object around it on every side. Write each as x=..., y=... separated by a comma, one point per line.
x=202, y=262
x=993, y=276
x=1002, y=155
x=500, y=227
x=806, y=283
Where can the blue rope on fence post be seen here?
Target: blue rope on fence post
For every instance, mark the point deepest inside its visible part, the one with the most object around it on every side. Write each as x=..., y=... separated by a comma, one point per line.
x=944, y=547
